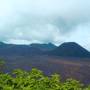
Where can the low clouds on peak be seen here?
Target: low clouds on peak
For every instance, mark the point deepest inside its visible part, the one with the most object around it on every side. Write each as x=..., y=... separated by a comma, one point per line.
x=43, y=21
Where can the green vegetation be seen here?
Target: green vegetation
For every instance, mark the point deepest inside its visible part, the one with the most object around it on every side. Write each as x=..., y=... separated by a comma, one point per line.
x=2, y=62
x=36, y=80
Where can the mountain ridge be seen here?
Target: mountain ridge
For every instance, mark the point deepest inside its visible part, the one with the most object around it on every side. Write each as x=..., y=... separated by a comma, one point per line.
x=70, y=49
x=67, y=49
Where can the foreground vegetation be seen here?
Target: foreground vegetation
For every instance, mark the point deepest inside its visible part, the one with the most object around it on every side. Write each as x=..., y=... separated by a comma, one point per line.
x=36, y=80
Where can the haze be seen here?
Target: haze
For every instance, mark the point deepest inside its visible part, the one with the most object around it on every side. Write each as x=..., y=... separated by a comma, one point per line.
x=44, y=21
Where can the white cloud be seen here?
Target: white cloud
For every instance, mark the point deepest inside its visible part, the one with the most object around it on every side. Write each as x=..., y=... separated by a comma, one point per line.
x=43, y=21
x=81, y=35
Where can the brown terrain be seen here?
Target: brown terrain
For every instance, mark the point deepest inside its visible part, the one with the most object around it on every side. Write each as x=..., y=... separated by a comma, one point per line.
x=77, y=68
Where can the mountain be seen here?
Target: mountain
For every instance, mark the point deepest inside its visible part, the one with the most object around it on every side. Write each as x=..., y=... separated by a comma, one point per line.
x=44, y=47
x=70, y=49
x=33, y=49
x=12, y=49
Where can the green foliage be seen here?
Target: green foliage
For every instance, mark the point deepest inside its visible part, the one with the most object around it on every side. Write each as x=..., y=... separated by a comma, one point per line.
x=2, y=65
x=71, y=84
x=2, y=62
x=36, y=80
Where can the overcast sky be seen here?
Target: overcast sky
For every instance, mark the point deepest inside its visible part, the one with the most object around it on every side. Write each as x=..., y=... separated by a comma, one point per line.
x=44, y=21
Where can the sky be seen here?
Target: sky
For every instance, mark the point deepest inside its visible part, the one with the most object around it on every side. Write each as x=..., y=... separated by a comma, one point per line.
x=45, y=21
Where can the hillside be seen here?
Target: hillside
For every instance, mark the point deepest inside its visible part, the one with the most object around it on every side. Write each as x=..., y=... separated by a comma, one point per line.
x=44, y=47
x=69, y=60
x=70, y=49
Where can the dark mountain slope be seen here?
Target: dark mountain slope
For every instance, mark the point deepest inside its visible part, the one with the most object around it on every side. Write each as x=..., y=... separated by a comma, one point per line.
x=70, y=49
x=44, y=47
x=11, y=49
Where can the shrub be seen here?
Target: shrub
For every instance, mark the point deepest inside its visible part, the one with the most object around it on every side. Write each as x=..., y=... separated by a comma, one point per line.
x=36, y=80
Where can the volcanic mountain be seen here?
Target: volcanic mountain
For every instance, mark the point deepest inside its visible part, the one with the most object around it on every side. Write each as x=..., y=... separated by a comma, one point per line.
x=70, y=49
x=26, y=50
x=69, y=59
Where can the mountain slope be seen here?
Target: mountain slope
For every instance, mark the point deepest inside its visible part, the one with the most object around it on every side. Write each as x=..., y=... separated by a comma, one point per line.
x=70, y=49
x=11, y=49
x=44, y=47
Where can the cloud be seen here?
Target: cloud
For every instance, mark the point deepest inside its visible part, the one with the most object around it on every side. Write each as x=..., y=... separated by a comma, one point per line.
x=81, y=35
x=43, y=21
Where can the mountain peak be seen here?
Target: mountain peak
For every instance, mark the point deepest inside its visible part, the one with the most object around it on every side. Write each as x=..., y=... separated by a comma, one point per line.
x=70, y=43
x=70, y=49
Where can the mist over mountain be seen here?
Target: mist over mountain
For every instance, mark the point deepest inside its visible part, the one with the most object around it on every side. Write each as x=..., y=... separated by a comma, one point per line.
x=44, y=21
x=52, y=35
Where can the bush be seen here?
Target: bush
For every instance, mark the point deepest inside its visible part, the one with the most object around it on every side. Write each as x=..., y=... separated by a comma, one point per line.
x=36, y=80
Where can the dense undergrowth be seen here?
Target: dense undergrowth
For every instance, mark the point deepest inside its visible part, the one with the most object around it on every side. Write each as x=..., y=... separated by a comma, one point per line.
x=36, y=80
